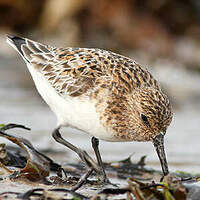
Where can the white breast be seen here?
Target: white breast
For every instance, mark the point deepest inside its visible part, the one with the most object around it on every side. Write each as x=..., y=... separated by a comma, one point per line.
x=72, y=111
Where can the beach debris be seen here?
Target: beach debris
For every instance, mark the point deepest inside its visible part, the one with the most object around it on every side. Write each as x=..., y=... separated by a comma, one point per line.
x=37, y=165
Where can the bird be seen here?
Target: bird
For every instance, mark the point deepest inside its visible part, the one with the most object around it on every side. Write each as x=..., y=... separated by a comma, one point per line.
x=107, y=95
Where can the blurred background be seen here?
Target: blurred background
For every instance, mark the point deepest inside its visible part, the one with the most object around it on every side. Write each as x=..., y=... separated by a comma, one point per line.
x=162, y=35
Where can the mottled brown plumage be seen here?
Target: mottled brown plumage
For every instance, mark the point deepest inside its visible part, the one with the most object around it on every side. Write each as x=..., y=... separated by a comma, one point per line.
x=128, y=102
x=117, y=81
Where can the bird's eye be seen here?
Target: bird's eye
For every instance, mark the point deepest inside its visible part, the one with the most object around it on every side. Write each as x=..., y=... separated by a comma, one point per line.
x=144, y=118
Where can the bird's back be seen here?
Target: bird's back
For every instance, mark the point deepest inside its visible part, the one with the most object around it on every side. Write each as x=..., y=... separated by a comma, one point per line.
x=81, y=71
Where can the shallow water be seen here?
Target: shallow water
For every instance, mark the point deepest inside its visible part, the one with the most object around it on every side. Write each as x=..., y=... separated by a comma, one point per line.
x=20, y=103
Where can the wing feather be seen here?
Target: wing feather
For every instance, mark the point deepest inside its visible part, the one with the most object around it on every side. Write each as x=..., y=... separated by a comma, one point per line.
x=78, y=71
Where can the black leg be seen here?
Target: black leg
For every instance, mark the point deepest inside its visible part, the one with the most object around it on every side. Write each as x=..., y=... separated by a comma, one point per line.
x=82, y=154
x=95, y=145
x=57, y=136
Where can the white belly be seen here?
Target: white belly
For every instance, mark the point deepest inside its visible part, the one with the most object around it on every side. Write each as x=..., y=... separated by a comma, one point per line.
x=72, y=111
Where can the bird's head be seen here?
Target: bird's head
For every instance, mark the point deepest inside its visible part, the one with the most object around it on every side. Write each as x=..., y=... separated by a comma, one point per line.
x=152, y=114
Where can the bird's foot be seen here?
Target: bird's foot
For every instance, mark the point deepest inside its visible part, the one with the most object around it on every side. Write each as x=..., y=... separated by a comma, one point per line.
x=102, y=181
x=90, y=163
x=92, y=166
x=105, y=181
x=82, y=180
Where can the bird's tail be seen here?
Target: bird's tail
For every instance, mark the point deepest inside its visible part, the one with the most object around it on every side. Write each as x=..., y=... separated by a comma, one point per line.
x=31, y=51
x=16, y=42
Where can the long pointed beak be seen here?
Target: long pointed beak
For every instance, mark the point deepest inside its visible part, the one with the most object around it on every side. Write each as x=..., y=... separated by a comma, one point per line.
x=158, y=143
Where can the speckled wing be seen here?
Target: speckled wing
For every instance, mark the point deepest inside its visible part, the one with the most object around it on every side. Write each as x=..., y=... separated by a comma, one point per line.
x=77, y=71
x=71, y=71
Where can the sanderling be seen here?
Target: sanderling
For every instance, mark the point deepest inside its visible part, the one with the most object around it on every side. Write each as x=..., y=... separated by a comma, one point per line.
x=107, y=95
